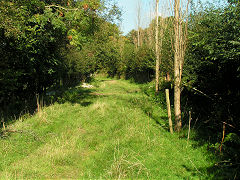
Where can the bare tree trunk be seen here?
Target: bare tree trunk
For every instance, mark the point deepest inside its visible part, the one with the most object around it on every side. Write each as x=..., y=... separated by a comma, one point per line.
x=157, y=50
x=150, y=35
x=177, y=60
x=168, y=77
x=180, y=48
x=138, y=35
x=159, y=36
x=138, y=23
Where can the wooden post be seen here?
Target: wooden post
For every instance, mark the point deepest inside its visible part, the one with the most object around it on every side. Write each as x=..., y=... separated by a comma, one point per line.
x=3, y=124
x=38, y=103
x=189, y=125
x=169, y=110
x=61, y=81
x=224, y=128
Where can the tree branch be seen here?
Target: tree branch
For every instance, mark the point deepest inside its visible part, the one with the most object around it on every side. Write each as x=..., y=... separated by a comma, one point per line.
x=195, y=89
x=75, y=9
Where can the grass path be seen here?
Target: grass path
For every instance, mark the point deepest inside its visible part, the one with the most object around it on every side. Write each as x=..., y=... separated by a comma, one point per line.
x=106, y=132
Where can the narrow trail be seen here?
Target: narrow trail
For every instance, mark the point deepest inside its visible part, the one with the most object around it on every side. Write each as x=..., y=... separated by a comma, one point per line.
x=108, y=131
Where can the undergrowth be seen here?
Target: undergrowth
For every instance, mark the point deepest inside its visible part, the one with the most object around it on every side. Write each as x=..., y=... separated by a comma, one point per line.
x=224, y=151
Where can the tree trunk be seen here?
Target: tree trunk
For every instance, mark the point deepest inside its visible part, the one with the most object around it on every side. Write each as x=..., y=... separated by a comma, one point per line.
x=177, y=106
x=138, y=37
x=177, y=67
x=157, y=50
x=138, y=23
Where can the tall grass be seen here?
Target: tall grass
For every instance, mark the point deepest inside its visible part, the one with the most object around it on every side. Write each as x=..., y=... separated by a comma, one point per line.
x=112, y=131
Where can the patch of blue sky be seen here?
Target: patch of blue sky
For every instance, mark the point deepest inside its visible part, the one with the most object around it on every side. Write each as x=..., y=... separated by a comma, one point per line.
x=129, y=10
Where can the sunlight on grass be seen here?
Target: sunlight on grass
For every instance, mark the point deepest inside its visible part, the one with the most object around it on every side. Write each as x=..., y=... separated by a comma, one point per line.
x=125, y=165
x=100, y=107
x=118, y=134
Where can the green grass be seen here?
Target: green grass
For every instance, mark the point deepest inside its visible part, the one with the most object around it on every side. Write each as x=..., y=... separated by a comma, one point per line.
x=112, y=131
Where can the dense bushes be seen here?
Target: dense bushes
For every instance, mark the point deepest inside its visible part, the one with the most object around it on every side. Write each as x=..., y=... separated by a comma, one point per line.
x=213, y=64
x=140, y=67
x=50, y=43
x=30, y=50
x=212, y=67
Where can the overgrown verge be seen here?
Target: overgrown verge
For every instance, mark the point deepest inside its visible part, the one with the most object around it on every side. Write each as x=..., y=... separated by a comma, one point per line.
x=108, y=131
x=219, y=138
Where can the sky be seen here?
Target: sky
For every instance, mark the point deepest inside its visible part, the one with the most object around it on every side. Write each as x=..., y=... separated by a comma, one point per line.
x=129, y=10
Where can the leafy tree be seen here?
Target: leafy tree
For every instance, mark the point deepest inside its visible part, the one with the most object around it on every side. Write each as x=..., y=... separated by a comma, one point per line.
x=45, y=41
x=212, y=68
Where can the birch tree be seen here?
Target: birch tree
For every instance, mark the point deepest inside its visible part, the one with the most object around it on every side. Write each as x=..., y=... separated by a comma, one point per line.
x=159, y=36
x=150, y=29
x=139, y=23
x=180, y=37
x=157, y=49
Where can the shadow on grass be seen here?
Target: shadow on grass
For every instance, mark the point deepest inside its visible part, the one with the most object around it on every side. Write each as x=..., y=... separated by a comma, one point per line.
x=148, y=107
x=215, y=172
x=194, y=171
x=73, y=95
x=225, y=166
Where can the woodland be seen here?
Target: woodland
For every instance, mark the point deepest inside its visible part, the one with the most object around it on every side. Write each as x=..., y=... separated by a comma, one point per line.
x=50, y=46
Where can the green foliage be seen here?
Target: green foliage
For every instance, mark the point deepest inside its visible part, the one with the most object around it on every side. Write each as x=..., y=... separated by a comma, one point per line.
x=213, y=59
x=36, y=58
x=45, y=43
x=140, y=68
x=159, y=99
x=80, y=64
x=138, y=63
x=212, y=67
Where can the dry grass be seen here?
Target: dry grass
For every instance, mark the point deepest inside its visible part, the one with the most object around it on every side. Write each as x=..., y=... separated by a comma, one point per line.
x=126, y=165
